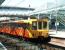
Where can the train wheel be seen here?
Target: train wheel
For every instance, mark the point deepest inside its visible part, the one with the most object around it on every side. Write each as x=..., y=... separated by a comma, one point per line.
x=1, y=32
x=48, y=39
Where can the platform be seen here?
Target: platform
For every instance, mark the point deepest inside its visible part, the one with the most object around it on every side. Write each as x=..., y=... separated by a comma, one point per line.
x=58, y=42
x=58, y=34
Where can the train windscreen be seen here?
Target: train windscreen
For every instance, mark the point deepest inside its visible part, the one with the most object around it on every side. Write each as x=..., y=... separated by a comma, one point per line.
x=34, y=25
x=44, y=25
x=39, y=25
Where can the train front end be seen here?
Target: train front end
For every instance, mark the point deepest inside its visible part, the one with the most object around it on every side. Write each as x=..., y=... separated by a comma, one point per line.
x=39, y=31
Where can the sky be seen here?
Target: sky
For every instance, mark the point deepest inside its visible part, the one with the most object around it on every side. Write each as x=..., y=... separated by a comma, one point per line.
x=23, y=3
x=37, y=4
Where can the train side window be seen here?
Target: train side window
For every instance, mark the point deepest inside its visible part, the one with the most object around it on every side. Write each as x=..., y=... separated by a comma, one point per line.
x=23, y=25
x=34, y=25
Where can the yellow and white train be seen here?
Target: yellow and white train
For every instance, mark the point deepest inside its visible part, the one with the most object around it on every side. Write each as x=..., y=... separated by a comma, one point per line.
x=34, y=30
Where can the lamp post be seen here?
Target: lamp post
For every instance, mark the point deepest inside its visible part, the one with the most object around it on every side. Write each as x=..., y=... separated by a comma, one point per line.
x=56, y=17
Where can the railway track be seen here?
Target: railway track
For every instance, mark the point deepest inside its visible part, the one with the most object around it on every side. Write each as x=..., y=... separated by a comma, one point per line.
x=16, y=44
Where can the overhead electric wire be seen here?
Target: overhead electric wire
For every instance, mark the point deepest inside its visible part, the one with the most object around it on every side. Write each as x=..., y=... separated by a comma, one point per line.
x=20, y=2
x=49, y=9
x=4, y=2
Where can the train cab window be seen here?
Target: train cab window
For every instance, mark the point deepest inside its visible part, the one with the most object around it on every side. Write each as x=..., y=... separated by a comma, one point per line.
x=39, y=25
x=44, y=25
x=34, y=25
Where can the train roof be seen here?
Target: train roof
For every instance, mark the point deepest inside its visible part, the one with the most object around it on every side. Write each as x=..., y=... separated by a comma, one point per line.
x=25, y=21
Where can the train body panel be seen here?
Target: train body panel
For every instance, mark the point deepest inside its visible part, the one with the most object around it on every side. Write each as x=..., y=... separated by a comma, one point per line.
x=37, y=33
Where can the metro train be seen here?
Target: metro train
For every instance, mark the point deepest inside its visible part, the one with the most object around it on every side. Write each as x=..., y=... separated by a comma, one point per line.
x=34, y=30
